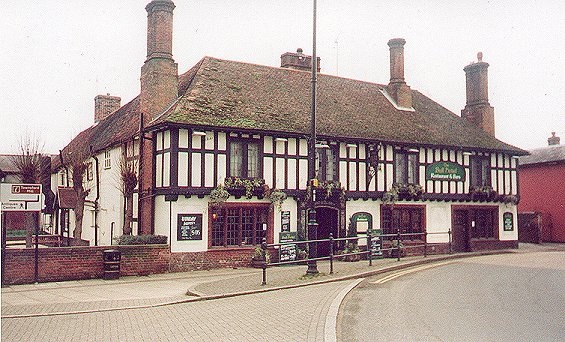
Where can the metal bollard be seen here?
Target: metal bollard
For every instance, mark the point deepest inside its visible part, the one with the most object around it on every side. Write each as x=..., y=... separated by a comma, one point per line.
x=398, y=237
x=369, y=248
x=425, y=244
x=331, y=253
x=264, y=262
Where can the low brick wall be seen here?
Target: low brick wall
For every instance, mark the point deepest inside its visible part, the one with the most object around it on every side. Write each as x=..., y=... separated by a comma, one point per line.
x=75, y=263
x=214, y=258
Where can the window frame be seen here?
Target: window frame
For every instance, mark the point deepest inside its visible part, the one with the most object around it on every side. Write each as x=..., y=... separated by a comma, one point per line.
x=484, y=168
x=244, y=167
x=405, y=157
x=216, y=216
x=483, y=231
x=322, y=164
x=107, y=159
x=89, y=171
x=387, y=225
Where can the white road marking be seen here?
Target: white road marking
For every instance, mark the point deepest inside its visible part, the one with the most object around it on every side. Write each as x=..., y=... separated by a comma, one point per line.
x=408, y=271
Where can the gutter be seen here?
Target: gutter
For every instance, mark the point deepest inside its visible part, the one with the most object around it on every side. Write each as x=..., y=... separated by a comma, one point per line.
x=96, y=204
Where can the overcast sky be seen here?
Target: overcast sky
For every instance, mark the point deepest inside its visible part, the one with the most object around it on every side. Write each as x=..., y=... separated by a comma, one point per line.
x=58, y=55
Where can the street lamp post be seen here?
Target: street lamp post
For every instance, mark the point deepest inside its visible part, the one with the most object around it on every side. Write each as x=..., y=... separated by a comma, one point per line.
x=312, y=224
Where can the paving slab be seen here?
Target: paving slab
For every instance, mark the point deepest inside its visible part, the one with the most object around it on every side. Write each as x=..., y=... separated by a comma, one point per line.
x=59, y=298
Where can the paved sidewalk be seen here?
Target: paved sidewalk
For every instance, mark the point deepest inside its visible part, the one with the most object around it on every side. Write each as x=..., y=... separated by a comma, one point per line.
x=96, y=295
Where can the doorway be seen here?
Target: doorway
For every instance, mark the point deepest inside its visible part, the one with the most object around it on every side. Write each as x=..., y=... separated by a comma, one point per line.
x=460, y=238
x=327, y=219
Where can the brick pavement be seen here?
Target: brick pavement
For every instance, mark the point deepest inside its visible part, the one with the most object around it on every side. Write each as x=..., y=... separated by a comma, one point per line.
x=51, y=304
x=291, y=315
x=98, y=294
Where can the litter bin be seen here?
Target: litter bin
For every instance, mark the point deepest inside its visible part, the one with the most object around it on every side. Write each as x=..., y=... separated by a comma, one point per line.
x=112, y=259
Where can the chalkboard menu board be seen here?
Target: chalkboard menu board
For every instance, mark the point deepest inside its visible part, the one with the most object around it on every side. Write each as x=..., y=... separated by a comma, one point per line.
x=376, y=247
x=508, y=219
x=287, y=252
x=189, y=227
x=285, y=221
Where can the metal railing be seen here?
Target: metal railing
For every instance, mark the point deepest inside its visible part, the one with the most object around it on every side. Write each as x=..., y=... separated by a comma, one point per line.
x=373, y=249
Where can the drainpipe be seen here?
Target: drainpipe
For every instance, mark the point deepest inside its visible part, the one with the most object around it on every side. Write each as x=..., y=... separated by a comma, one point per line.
x=96, y=208
x=67, y=184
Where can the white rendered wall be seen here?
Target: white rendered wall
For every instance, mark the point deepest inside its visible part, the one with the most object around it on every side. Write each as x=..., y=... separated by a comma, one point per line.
x=438, y=220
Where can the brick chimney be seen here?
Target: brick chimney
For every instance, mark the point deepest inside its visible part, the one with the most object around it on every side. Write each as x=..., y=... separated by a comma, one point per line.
x=159, y=74
x=397, y=88
x=159, y=89
x=298, y=61
x=478, y=110
x=105, y=105
x=553, y=140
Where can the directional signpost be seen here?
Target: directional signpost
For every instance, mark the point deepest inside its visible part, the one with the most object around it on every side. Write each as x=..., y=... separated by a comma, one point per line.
x=20, y=197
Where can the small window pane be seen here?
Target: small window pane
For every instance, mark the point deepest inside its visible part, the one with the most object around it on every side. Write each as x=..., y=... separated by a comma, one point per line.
x=412, y=169
x=400, y=168
x=236, y=159
x=252, y=160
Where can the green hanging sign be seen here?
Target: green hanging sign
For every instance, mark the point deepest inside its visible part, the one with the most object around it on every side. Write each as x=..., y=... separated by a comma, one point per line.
x=445, y=171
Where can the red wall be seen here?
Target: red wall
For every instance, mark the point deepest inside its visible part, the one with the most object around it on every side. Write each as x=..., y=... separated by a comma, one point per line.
x=542, y=189
x=73, y=263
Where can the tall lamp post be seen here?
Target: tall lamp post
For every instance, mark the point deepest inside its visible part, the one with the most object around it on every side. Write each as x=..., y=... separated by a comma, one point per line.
x=312, y=181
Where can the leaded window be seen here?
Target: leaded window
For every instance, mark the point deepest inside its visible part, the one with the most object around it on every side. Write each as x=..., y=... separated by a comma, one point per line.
x=484, y=223
x=326, y=164
x=406, y=168
x=480, y=171
x=244, y=159
x=409, y=219
x=239, y=225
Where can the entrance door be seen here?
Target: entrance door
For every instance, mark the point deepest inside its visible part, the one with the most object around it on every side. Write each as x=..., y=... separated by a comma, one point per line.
x=327, y=219
x=460, y=238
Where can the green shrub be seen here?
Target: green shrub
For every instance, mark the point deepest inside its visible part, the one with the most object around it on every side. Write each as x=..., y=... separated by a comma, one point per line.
x=141, y=239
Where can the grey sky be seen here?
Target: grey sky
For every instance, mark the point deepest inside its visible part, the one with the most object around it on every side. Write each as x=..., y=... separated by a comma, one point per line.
x=58, y=55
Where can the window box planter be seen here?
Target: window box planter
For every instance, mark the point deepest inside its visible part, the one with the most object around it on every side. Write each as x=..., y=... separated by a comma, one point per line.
x=482, y=193
x=239, y=187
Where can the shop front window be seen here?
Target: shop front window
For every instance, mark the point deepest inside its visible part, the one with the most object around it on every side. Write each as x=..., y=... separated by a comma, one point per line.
x=238, y=225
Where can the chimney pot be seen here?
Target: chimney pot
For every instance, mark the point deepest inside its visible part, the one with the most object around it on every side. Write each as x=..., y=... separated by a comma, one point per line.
x=478, y=109
x=297, y=60
x=160, y=29
x=397, y=87
x=553, y=140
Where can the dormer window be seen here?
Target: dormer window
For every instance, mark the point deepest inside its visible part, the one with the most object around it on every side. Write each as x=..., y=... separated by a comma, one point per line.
x=406, y=167
x=244, y=159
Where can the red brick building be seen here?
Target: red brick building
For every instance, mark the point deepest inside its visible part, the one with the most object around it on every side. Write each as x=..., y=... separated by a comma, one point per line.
x=542, y=193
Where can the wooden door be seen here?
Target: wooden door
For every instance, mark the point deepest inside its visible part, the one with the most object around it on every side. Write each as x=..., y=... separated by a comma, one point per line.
x=460, y=230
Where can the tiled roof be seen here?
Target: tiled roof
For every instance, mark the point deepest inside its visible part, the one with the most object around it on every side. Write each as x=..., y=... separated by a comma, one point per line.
x=550, y=154
x=7, y=164
x=231, y=94
x=228, y=94
x=118, y=127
